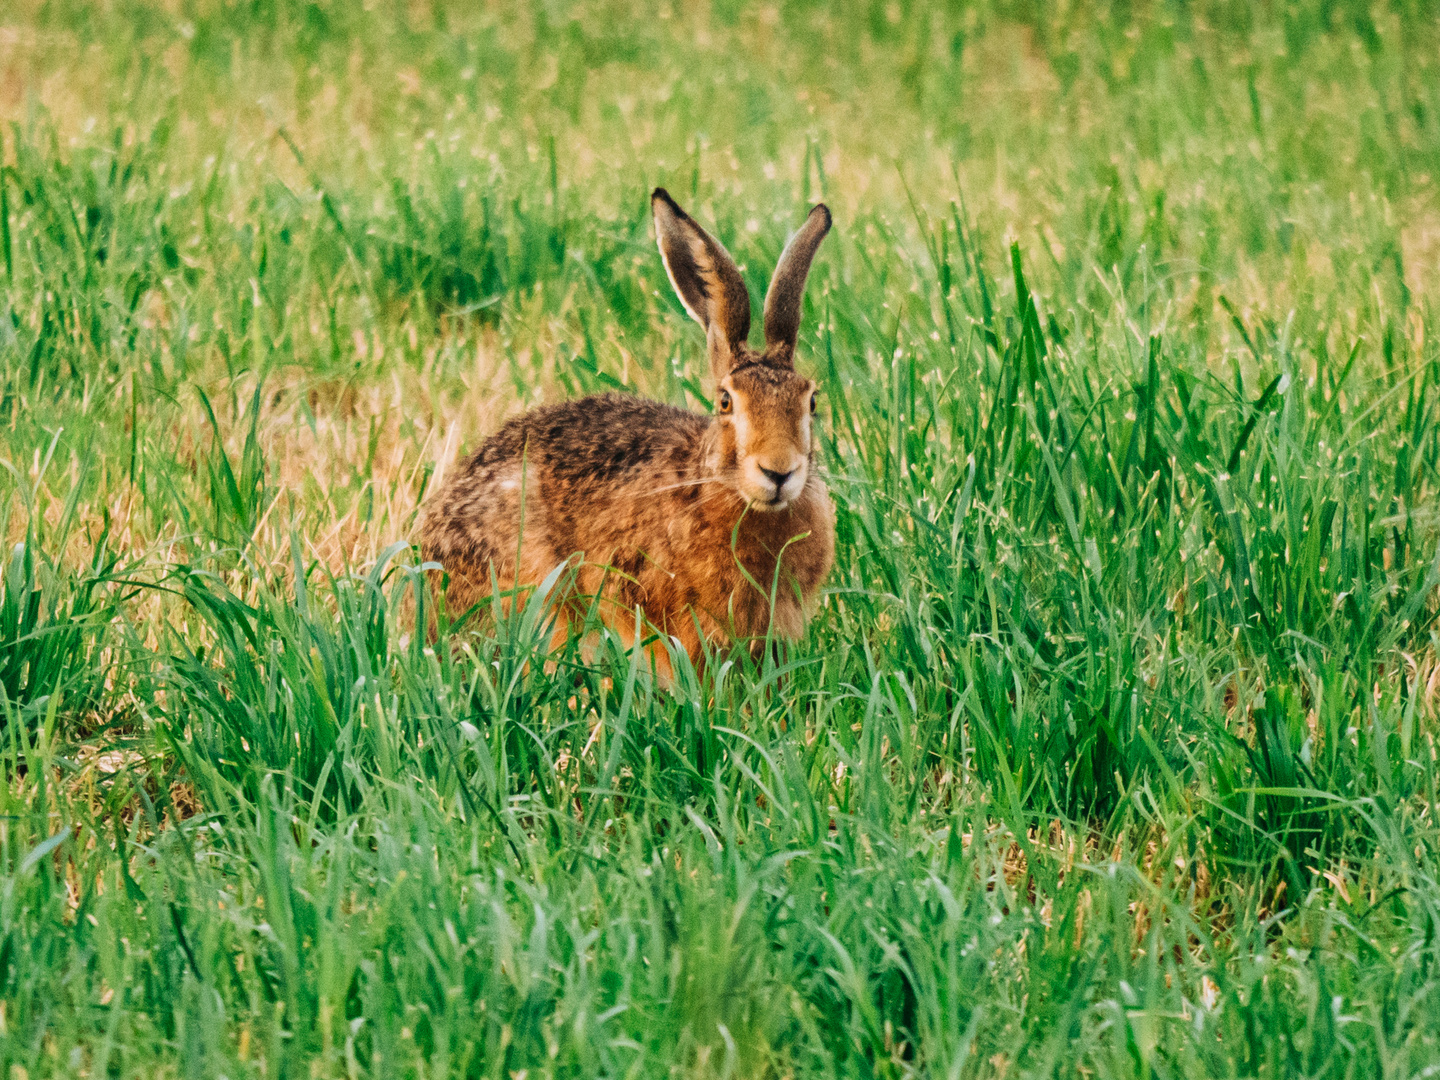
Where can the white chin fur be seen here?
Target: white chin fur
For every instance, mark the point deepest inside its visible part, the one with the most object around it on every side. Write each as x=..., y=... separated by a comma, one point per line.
x=765, y=506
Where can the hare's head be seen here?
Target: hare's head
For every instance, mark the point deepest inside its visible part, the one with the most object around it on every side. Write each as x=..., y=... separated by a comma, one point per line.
x=763, y=406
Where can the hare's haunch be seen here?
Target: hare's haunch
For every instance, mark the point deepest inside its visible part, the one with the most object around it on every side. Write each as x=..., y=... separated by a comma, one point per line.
x=644, y=499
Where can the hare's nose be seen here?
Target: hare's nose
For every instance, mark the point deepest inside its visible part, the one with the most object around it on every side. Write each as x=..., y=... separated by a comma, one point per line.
x=777, y=478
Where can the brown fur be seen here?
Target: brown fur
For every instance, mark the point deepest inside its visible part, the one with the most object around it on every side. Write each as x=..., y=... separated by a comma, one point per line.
x=681, y=514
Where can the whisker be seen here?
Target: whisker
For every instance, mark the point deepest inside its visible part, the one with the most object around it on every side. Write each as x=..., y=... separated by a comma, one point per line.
x=686, y=483
x=712, y=494
x=846, y=478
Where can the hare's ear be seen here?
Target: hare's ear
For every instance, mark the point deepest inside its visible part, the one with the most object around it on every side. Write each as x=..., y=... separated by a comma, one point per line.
x=787, y=287
x=706, y=278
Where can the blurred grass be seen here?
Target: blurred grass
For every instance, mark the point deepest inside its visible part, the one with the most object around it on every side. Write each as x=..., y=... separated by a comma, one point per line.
x=1112, y=749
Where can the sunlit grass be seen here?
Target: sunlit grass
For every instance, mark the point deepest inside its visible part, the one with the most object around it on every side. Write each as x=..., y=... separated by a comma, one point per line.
x=1111, y=750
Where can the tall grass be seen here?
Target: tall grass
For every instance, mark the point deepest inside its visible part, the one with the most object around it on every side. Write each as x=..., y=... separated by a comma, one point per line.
x=1112, y=747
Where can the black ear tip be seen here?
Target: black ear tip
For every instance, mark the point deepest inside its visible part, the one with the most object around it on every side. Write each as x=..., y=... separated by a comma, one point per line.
x=661, y=195
x=821, y=208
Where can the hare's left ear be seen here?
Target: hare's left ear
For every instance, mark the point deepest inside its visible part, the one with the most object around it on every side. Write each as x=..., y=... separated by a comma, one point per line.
x=706, y=279
x=787, y=287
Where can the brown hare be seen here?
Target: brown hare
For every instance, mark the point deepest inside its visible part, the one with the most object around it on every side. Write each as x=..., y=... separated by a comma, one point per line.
x=718, y=527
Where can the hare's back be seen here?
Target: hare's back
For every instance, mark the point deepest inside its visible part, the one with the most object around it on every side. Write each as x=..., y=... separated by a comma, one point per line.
x=556, y=461
x=596, y=440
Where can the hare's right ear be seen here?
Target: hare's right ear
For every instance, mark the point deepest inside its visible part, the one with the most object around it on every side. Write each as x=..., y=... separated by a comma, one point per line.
x=706, y=279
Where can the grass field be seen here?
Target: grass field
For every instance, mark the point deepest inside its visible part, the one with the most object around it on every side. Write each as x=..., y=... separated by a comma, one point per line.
x=1112, y=749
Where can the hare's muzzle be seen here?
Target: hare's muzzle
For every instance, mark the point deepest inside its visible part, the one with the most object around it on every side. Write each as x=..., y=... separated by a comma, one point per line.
x=771, y=485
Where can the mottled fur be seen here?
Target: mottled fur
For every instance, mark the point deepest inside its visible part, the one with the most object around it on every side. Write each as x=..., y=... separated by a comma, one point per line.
x=679, y=513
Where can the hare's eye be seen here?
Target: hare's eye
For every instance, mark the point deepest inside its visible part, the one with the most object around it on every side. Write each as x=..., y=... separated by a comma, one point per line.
x=814, y=400
x=724, y=401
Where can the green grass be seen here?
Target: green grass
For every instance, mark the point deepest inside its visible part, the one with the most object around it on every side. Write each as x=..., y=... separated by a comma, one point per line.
x=1112, y=749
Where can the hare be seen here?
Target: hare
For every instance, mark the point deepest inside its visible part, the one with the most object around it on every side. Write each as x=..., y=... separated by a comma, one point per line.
x=718, y=527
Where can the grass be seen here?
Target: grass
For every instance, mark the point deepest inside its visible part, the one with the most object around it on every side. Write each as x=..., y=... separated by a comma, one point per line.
x=1112, y=750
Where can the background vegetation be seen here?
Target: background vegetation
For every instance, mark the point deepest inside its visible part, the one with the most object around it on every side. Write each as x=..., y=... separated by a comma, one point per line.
x=1112, y=751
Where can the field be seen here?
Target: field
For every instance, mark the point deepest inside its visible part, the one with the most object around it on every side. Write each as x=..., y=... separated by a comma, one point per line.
x=1112, y=749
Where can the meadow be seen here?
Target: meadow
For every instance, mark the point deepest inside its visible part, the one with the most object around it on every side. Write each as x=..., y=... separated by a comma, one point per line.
x=1111, y=751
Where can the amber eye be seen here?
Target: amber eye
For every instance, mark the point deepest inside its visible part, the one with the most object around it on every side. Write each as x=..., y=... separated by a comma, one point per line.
x=724, y=401
x=814, y=400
